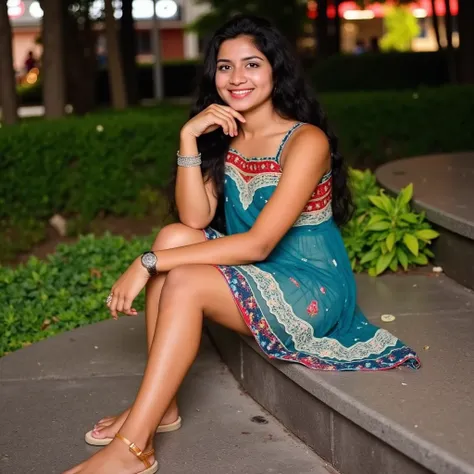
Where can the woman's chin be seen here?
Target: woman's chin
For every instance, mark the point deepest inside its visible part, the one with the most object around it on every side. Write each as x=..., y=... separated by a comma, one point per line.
x=243, y=105
x=239, y=105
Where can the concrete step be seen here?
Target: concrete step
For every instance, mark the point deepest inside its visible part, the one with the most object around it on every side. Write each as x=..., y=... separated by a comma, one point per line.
x=443, y=189
x=396, y=422
x=52, y=392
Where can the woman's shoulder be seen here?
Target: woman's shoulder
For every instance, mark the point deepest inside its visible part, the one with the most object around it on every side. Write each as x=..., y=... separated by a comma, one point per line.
x=309, y=133
x=307, y=139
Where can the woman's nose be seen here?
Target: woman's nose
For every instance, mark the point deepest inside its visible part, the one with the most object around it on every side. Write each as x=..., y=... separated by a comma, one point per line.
x=237, y=77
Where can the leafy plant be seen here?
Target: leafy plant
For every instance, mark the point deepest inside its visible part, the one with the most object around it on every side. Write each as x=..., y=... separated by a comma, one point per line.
x=42, y=298
x=363, y=184
x=384, y=232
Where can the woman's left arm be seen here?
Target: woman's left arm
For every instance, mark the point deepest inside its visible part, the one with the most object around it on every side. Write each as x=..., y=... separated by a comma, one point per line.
x=307, y=159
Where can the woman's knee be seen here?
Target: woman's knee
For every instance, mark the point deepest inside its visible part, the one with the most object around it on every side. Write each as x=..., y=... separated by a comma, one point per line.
x=183, y=282
x=177, y=235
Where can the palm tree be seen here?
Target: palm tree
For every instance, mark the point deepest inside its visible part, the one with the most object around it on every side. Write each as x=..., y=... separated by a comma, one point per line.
x=116, y=77
x=52, y=69
x=8, y=99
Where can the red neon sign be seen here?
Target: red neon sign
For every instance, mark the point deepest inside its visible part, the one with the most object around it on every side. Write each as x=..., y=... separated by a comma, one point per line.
x=378, y=8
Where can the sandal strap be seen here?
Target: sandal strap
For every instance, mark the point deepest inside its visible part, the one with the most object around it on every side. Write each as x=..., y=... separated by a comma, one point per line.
x=134, y=449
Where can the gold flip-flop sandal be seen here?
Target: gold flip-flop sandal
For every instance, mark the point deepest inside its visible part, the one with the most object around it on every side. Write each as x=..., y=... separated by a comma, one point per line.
x=135, y=450
x=105, y=441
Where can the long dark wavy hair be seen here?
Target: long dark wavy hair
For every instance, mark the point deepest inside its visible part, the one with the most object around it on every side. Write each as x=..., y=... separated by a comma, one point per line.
x=292, y=98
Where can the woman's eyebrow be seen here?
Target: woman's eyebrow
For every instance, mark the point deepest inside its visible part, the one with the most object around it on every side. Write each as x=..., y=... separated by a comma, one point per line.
x=243, y=59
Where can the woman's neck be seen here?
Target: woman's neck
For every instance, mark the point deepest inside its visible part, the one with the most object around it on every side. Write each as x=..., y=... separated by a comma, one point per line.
x=260, y=121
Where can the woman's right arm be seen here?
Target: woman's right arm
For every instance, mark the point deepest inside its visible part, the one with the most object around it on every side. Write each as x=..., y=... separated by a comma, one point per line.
x=196, y=196
x=196, y=200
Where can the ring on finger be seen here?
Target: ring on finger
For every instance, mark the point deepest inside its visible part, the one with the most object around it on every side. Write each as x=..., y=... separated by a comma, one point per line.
x=109, y=298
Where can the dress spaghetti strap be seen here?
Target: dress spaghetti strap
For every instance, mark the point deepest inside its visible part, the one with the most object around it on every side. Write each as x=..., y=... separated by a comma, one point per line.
x=285, y=139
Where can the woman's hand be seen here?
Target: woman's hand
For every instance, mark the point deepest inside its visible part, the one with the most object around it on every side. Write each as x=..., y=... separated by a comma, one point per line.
x=126, y=289
x=211, y=118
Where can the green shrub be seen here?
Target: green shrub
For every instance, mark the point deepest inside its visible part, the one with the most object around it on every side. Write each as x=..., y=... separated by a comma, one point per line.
x=86, y=165
x=382, y=126
x=69, y=166
x=384, y=232
x=380, y=71
x=116, y=162
x=42, y=298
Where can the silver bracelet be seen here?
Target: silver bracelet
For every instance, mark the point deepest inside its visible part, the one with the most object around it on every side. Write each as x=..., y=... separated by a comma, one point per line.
x=188, y=161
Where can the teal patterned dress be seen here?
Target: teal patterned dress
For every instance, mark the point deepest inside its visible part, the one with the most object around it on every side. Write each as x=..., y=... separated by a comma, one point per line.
x=300, y=303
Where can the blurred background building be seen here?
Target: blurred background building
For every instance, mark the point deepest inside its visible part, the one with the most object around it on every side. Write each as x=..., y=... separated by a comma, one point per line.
x=174, y=15
x=360, y=28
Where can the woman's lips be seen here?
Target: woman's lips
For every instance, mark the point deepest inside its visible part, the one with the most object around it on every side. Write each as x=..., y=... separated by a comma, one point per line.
x=240, y=94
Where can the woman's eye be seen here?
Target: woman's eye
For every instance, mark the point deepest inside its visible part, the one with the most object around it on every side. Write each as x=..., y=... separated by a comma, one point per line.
x=223, y=67
x=252, y=64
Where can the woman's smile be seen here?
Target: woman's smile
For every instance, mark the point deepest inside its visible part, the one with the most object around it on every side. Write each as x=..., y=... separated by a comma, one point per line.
x=240, y=93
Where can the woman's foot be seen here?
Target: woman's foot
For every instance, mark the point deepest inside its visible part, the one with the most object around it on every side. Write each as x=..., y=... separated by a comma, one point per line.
x=113, y=459
x=109, y=426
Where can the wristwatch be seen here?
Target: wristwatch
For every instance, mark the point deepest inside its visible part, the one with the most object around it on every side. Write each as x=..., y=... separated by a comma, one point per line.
x=149, y=260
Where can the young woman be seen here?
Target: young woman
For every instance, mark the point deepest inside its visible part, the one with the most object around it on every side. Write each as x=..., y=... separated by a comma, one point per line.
x=257, y=147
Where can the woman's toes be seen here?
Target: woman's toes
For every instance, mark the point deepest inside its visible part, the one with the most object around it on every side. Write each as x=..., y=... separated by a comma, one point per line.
x=104, y=424
x=99, y=433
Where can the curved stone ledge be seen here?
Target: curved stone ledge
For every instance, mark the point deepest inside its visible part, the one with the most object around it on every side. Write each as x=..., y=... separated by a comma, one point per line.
x=443, y=187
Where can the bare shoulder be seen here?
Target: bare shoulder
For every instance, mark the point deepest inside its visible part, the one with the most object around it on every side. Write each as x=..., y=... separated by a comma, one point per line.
x=308, y=140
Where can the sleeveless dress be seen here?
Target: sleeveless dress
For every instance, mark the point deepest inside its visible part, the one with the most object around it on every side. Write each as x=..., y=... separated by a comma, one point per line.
x=300, y=303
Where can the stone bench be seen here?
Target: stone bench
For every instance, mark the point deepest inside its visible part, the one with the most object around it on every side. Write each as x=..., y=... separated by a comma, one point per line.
x=396, y=422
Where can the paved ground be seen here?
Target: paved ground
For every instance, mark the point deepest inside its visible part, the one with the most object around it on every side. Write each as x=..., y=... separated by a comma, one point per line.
x=52, y=392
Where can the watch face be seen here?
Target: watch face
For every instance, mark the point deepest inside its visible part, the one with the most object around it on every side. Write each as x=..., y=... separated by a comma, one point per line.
x=149, y=259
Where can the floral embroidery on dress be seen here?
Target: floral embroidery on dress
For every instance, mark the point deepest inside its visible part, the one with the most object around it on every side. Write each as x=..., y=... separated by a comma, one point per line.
x=294, y=282
x=322, y=290
x=312, y=308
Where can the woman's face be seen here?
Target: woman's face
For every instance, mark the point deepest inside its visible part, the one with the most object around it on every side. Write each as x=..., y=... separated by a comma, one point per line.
x=243, y=75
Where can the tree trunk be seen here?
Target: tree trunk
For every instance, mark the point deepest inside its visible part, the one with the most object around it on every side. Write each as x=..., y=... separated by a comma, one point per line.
x=52, y=70
x=8, y=99
x=435, y=20
x=466, y=39
x=337, y=29
x=448, y=20
x=79, y=49
x=116, y=78
x=128, y=45
x=322, y=34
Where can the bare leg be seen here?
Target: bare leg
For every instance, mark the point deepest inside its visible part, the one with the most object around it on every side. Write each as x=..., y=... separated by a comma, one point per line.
x=170, y=236
x=189, y=293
